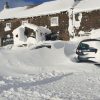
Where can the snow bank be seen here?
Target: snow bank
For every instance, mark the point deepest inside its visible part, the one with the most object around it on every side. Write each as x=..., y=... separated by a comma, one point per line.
x=19, y=36
x=31, y=41
x=39, y=31
x=95, y=34
x=47, y=74
x=22, y=60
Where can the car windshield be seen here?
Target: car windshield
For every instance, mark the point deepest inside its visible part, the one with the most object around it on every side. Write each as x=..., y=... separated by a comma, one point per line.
x=83, y=46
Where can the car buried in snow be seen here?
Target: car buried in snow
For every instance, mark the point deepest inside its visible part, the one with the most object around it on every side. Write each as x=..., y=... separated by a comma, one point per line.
x=89, y=50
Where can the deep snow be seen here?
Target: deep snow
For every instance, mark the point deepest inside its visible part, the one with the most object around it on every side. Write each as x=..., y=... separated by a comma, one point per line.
x=27, y=73
x=52, y=73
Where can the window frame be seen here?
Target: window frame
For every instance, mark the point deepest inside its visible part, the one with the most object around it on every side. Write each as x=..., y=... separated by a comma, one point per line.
x=54, y=21
x=24, y=21
x=8, y=25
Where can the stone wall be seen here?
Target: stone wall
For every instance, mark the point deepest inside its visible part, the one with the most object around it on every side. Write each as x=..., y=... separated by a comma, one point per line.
x=90, y=20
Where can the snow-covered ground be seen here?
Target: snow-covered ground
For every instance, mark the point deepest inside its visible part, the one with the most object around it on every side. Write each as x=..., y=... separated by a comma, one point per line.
x=47, y=73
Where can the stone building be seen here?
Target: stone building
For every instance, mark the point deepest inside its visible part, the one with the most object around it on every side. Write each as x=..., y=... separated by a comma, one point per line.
x=66, y=18
x=53, y=15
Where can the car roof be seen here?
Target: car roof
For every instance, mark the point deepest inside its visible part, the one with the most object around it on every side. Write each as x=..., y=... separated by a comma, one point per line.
x=86, y=40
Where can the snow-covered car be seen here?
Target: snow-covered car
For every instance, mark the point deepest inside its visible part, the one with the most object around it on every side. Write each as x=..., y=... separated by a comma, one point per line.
x=89, y=49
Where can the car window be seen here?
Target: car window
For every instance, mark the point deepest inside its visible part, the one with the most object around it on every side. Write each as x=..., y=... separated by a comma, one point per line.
x=83, y=46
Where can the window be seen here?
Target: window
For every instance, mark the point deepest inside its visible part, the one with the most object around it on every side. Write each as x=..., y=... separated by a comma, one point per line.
x=54, y=21
x=77, y=17
x=83, y=46
x=24, y=21
x=8, y=27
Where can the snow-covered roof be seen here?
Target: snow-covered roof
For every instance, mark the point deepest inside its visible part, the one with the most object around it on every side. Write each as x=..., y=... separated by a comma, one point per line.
x=50, y=7
x=87, y=5
x=35, y=28
x=11, y=12
x=42, y=9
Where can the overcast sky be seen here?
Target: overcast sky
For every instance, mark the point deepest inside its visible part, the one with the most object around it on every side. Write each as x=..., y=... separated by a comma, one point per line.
x=16, y=3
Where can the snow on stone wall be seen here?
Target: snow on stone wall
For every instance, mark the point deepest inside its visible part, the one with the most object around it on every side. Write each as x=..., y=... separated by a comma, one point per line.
x=77, y=22
x=71, y=27
x=73, y=22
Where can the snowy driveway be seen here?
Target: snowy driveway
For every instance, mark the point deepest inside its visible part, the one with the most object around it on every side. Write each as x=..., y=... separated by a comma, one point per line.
x=47, y=74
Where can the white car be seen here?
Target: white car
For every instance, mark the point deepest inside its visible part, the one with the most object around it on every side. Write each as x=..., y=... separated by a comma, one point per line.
x=89, y=49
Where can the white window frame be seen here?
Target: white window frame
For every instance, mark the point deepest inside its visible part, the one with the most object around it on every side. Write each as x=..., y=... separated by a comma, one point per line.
x=8, y=25
x=24, y=21
x=54, y=21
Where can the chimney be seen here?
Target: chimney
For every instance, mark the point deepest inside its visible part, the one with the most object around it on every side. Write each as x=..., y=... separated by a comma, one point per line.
x=6, y=5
